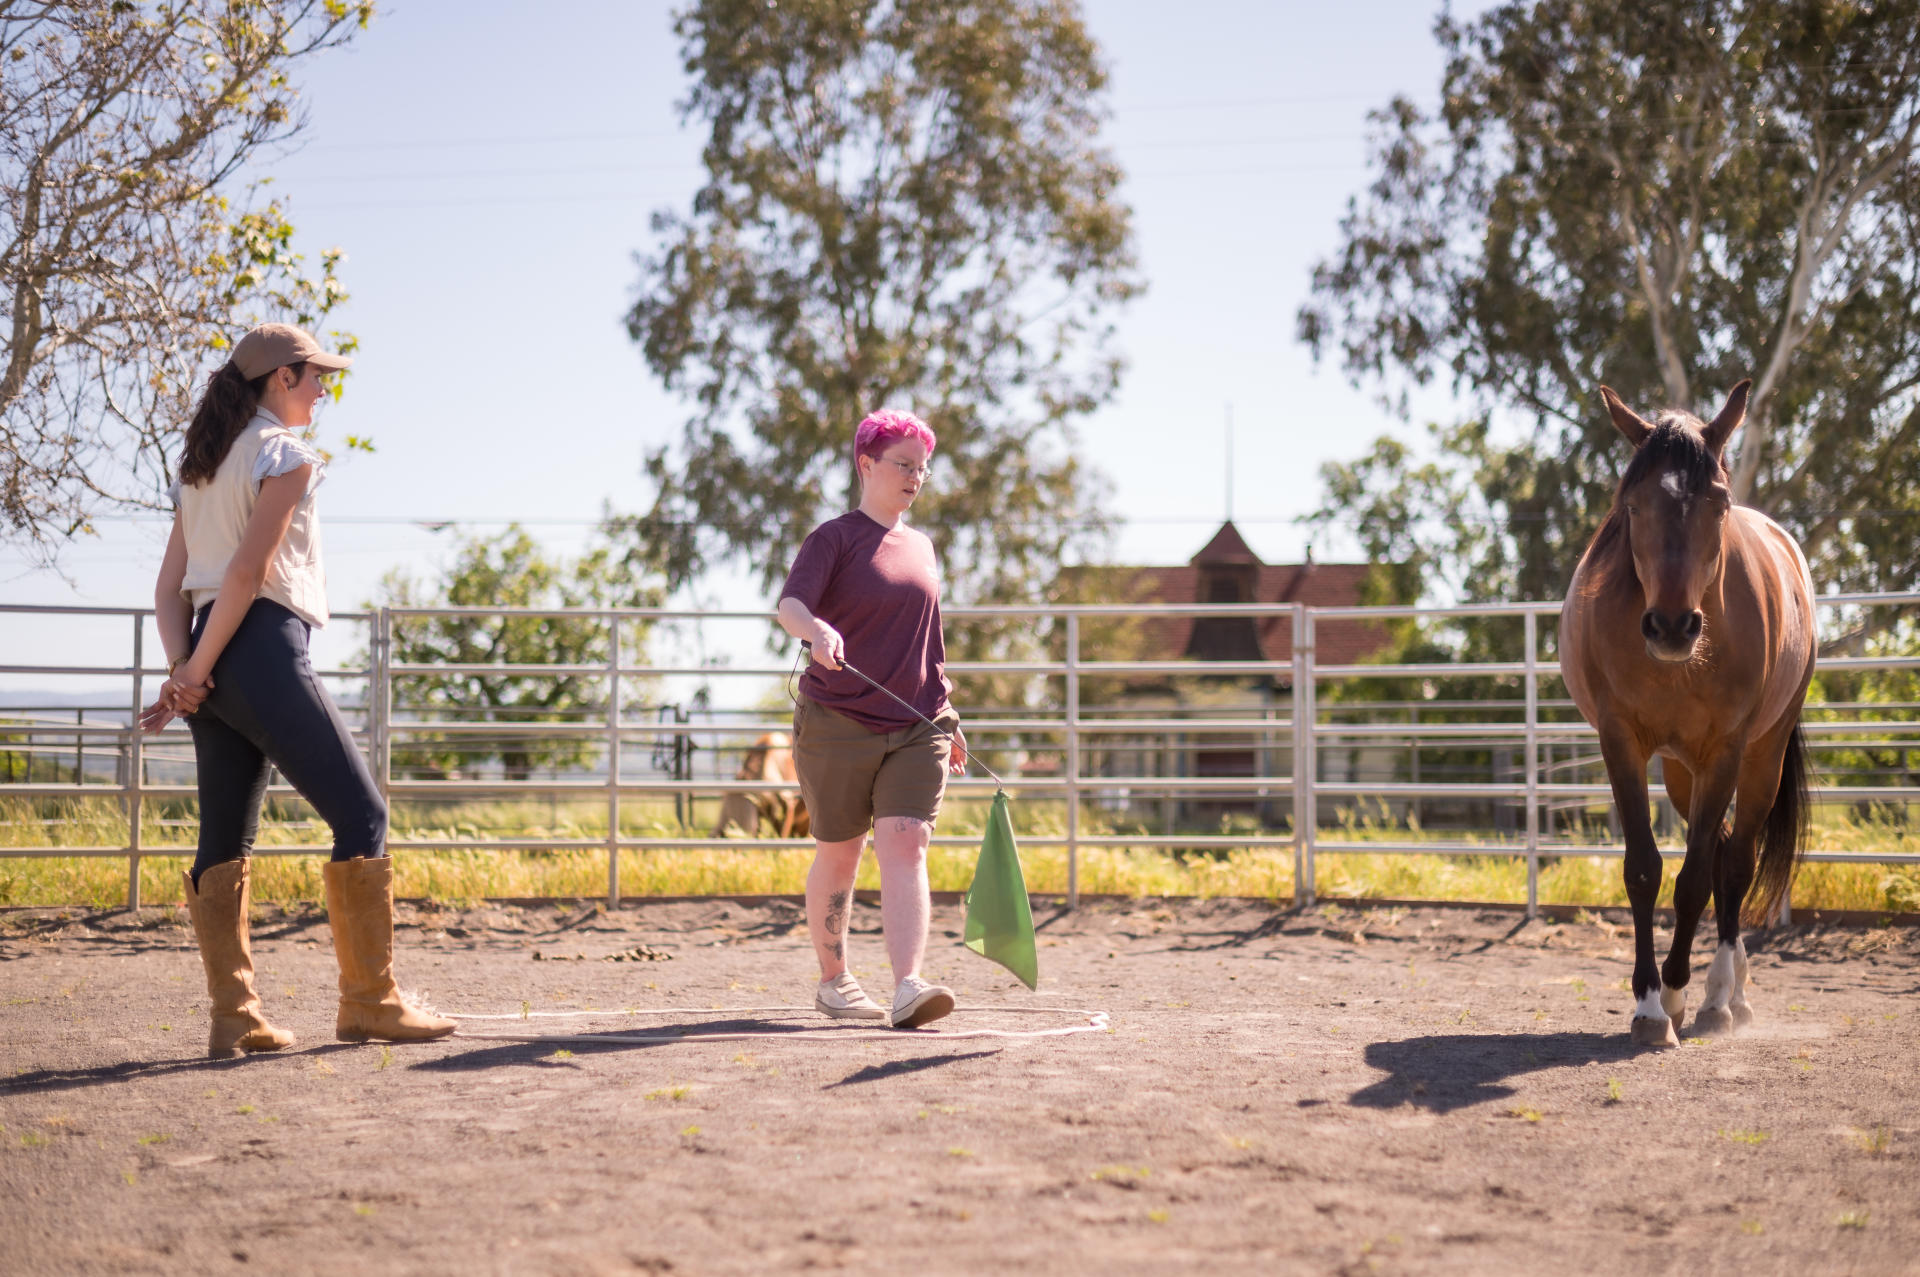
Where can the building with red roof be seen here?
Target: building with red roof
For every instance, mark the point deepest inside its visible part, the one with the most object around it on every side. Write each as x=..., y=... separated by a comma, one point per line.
x=1225, y=570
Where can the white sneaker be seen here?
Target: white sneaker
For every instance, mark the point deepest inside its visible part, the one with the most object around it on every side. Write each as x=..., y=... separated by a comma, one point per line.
x=844, y=999
x=916, y=1003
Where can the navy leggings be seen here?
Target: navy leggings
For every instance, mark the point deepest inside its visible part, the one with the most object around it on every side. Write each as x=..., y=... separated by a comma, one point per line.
x=268, y=708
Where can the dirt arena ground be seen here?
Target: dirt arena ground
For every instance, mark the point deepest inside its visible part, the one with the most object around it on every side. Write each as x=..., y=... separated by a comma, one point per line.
x=1334, y=1090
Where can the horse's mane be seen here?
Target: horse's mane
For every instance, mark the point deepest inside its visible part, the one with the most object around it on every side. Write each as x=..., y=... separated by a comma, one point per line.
x=1676, y=444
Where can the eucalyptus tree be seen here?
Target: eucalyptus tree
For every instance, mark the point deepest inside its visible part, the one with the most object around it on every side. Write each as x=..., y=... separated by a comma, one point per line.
x=907, y=205
x=1664, y=197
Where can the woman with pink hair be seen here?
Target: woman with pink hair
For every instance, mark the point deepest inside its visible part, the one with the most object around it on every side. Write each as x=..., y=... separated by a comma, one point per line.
x=865, y=587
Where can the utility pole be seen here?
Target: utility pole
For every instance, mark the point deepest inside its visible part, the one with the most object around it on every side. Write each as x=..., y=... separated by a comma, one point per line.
x=1229, y=463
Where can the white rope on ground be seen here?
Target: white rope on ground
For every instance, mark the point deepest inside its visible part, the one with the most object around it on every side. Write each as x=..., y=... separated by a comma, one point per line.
x=1096, y=1023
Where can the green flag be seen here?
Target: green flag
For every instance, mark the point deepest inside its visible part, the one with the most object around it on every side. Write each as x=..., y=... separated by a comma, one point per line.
x=999, y=923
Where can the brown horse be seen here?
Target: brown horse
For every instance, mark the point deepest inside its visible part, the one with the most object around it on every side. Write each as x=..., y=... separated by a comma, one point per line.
x=1687, y=632
x=770, y=758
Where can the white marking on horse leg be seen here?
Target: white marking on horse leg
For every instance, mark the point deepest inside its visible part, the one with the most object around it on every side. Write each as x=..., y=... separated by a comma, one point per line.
x=1651, y=1024
x=1721, y=977
x=1674, y=1003
x=1742, y=1013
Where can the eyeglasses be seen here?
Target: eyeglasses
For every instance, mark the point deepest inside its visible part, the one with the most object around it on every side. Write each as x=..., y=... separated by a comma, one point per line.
x=921, y=473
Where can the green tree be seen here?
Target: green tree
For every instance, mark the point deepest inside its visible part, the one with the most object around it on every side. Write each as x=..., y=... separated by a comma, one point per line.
x=1663, y=197
x=511, y=571
x=131, y=242
x=905, y=205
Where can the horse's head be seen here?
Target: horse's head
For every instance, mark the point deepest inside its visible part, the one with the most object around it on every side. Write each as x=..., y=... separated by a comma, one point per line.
x=1674, y=499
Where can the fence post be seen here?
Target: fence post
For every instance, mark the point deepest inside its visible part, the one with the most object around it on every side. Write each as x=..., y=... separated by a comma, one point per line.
x=1302, y=791
x=132, y=790
x=380, y=703
x=1310, y=711
x=1533, y=763
x=1073, y=760
x=613, y=762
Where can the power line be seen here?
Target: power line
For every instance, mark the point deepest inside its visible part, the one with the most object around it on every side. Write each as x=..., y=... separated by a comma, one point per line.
x=494, y=201
x=435, y=523
x=601, y=170
x=593, y=170
x=1745, y=134
x=529, y=139
x=442, y=523
x=560, y=139
x=1117, y=109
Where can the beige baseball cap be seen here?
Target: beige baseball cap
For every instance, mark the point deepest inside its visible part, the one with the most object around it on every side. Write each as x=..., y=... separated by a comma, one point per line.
x=273, y=346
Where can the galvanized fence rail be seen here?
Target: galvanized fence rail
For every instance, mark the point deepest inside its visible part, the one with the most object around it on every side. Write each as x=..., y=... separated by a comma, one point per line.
x=1307, y=730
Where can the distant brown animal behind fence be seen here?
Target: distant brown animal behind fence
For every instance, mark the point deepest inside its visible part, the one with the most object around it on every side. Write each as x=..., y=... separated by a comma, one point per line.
x=770, y=758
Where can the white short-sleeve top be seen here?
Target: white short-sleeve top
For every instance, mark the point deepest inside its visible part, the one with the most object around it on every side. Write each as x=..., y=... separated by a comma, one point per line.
x=213, y=518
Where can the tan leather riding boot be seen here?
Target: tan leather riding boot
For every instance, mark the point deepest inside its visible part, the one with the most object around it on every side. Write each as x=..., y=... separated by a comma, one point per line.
x=360, y=907
x=218, y=907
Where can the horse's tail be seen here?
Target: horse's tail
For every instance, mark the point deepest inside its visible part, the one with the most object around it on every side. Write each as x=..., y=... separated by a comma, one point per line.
x=1784, y=836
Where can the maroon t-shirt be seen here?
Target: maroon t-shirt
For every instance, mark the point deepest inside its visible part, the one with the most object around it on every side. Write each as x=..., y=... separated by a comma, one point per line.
x=880, y=588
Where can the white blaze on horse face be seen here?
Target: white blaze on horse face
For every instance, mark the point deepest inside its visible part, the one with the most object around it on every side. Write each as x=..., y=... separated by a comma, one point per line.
x=1675, y=484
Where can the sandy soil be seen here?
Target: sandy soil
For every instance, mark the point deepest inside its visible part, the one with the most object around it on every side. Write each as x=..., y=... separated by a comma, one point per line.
x=1428, y=1090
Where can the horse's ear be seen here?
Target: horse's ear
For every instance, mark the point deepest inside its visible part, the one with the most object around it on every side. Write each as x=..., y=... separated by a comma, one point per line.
x=1721, y=428
x=1625, y=420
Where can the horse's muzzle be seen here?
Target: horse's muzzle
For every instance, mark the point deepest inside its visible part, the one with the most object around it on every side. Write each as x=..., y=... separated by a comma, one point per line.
x=1670, y=637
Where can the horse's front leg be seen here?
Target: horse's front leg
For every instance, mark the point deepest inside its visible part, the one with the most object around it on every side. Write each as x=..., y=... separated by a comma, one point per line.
x=1725, y=1008
x=1710, y=793
x=1627, y=773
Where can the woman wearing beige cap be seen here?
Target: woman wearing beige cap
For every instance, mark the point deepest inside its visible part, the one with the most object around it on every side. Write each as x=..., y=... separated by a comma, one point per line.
x=240, y=590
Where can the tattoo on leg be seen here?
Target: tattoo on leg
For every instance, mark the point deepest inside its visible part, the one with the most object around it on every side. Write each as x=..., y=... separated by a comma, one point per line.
x=838, y=907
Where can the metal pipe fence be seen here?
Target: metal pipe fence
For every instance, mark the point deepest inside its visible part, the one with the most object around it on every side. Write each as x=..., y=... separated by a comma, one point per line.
x=1117, y=713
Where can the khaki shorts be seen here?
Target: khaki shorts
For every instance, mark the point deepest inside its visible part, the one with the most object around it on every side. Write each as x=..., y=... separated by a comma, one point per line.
x=851, y=776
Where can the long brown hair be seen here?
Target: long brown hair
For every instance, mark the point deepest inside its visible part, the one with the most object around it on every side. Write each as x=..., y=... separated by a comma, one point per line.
x=226, y=406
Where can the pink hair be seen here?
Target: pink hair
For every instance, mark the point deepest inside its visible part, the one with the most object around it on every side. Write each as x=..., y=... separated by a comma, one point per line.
x=883, y=427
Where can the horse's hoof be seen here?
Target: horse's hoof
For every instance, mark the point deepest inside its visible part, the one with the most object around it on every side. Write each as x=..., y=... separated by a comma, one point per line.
x=1712, y=1022
x=1742, y=1016
x=1648, y=1031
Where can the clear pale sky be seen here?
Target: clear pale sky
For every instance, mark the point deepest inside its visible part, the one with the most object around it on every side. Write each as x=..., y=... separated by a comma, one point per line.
x=490, y=167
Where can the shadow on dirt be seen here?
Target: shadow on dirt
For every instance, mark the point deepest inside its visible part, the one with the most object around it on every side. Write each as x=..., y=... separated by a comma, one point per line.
x=1044, y=918
x=143, y=1070
x=1295, y=923
x=735, y=923
x=1285, y=923
x=1453, y=1071
x=901, y=1068
x=162, y=928
x=621, y=1039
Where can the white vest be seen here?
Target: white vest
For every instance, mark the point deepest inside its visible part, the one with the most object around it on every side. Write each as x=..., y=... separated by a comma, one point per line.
x=213, y=518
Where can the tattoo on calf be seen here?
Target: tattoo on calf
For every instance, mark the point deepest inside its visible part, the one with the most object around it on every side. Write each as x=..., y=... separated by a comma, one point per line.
x=839, y=905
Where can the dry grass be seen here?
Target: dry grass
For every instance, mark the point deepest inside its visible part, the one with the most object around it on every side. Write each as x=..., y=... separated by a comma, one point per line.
x=464, y=873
